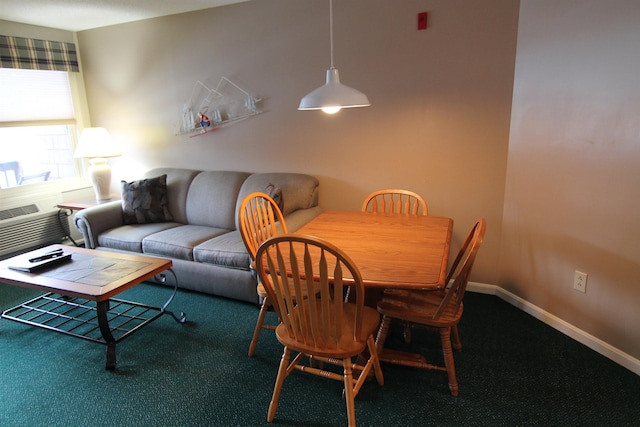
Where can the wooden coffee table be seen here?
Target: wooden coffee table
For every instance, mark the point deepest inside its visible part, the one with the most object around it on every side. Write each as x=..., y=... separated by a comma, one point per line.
x=79, y=295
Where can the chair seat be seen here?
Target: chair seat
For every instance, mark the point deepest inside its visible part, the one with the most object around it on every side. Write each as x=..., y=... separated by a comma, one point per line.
x=419, y=307
x=261, y=291
x=347, y=346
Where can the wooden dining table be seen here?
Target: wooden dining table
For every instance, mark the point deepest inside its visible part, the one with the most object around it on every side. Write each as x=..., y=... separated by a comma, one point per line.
x=391, y=250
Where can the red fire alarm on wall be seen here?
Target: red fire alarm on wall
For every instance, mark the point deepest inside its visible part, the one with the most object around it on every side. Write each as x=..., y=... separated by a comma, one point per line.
x=422, y=21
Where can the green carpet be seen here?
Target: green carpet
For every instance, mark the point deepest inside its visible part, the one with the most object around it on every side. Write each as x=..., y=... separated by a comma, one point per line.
x=513, y=371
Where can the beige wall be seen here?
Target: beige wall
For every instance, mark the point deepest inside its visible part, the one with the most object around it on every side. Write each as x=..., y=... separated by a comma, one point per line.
x=573, y=177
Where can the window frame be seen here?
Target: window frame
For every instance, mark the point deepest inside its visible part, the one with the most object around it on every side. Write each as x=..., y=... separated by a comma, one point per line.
x=20, y=195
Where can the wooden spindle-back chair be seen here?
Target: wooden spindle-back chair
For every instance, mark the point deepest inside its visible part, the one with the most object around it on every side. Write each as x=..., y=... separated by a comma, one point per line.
x=436, y=310
x=395, y=201
x=259, y=219
x=306, y=279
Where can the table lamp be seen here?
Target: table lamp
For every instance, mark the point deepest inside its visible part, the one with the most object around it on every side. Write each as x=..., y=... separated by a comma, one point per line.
x=96, y=145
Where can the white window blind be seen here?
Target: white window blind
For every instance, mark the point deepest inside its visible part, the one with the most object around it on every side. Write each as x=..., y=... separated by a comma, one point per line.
x=30, y=96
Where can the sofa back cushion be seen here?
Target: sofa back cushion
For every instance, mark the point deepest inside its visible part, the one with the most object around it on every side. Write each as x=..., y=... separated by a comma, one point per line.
x=212, y=197
x=299, y=191
x=178, y=183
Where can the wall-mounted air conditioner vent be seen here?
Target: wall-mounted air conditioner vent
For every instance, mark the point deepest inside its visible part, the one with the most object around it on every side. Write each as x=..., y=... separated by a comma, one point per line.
x=29, y=227
x=19, y=211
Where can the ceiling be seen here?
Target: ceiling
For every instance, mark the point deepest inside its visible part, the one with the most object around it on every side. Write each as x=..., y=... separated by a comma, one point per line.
x=78, y=15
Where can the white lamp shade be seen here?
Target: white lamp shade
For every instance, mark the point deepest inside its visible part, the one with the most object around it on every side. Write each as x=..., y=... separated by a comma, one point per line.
x=333, y=95
x=96, y=143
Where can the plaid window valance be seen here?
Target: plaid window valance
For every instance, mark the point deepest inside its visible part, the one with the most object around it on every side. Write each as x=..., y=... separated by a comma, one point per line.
x=32, y=54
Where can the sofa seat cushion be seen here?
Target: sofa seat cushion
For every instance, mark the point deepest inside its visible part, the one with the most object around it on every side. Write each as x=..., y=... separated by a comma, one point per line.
x=227, y=250
x=178, y=242
x=129, y=237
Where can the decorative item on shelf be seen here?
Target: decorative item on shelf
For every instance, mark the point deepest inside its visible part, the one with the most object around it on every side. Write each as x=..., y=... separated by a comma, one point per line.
x=96, y=145
x=187, y=118
x=204, y=122
x=333, y=96
x=210, y=109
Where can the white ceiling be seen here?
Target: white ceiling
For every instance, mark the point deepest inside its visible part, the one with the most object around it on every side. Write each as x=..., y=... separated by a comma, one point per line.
x=78, y=15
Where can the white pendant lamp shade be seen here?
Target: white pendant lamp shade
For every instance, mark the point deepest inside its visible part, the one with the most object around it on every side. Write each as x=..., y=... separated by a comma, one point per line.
x=333, y=96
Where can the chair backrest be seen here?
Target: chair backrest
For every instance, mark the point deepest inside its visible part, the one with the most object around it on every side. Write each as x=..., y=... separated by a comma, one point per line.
x=259, y=219
x=395, y=201
x=292, y=267
x=461, y=268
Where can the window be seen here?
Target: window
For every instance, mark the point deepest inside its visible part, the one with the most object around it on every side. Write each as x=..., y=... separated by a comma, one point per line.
x=37, y=119
x=32, y=154
x=37, y=127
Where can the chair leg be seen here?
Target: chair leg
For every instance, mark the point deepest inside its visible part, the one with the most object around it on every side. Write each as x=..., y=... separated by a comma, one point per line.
x=383, y=332
x=373, y=354
x=277, y=388
x=259, y=324
x=447, y=352
x=407, y=332
x=348, y=392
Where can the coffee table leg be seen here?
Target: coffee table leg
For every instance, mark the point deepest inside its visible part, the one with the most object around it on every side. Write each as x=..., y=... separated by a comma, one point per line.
x=163, y=279
x=103, y=322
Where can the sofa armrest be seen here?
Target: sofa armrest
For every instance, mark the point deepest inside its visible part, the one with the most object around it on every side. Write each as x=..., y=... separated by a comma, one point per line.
x=300, y=217
x=93, y=221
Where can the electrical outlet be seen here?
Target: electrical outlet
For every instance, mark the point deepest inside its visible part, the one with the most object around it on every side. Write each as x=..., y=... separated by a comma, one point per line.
x=580, y=281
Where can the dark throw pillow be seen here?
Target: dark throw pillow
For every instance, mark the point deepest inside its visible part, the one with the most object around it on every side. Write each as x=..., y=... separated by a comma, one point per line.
x=145, y=201
x=276, y=194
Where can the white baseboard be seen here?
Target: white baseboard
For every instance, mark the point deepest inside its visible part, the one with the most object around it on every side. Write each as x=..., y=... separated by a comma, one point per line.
x=596, y=344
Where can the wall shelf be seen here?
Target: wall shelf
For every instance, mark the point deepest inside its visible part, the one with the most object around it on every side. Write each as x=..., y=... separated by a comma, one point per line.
x=211, y=109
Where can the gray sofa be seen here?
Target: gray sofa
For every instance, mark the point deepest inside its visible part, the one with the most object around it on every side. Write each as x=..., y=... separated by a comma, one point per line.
x=202, y=240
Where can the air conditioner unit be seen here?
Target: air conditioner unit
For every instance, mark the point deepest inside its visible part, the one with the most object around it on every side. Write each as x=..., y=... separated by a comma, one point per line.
x=31, y=226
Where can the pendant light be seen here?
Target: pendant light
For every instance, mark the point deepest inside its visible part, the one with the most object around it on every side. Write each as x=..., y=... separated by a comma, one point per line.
x=333, y=96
